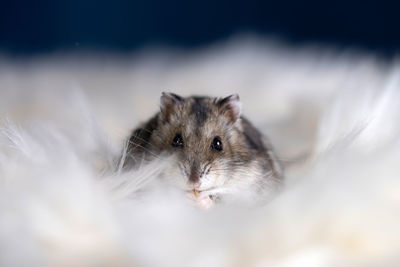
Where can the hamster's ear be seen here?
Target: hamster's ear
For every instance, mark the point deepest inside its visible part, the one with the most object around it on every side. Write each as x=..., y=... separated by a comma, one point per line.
x=168, y=103
x=231, y=107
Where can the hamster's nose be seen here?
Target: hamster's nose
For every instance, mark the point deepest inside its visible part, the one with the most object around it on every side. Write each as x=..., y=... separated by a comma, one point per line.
x=194, y=176
x=194, y=186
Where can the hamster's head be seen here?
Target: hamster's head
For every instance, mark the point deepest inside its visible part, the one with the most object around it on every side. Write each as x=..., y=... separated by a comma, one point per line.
x=204, y=136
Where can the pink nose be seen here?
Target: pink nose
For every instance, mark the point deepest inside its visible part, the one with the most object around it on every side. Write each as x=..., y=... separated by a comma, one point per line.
x=194, y=186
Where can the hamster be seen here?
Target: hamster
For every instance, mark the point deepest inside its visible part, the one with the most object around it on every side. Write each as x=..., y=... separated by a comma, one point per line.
x=217, y=153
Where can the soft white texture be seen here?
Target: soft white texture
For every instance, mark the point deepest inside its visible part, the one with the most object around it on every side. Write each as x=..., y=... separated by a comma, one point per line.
x=63, y=203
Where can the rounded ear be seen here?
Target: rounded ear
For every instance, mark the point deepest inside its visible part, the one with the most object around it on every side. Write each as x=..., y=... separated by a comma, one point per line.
x=168, y=103
x=230, y=107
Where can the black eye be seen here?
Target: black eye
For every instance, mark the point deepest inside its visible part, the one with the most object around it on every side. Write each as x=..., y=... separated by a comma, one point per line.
x=216, y=144
x=178, y=141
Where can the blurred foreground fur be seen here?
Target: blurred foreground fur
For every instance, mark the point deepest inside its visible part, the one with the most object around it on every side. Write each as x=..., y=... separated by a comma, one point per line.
x=65, y=202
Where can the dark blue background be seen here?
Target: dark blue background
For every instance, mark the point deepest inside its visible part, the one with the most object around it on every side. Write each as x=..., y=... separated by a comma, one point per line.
x=28, y=27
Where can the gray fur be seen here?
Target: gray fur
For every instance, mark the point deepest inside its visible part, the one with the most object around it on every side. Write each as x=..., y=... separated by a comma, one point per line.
x=246, y=161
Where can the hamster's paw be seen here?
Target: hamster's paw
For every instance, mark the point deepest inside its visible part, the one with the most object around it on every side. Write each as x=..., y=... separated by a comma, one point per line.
x=204, y=202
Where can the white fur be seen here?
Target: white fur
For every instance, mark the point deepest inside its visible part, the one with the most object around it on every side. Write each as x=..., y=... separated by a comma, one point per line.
x=64, y=203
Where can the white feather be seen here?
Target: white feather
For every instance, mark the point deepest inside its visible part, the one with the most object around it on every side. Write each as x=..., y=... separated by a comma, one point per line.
x=65, y=202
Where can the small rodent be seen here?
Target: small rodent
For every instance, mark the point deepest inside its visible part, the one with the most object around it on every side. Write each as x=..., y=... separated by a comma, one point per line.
x=217, y=152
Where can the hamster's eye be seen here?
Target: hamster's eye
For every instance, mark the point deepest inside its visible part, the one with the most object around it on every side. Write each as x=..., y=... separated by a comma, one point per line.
x=178, y=141
x=216, y=144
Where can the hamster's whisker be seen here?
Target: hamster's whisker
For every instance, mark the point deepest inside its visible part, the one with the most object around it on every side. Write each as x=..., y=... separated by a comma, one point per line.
x=157, y=134
x=161, y=138
x=154, y=134
x=144, y=148
x=142, y=140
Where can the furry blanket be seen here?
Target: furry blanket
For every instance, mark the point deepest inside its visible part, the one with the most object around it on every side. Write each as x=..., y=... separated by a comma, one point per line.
x=331, y=115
